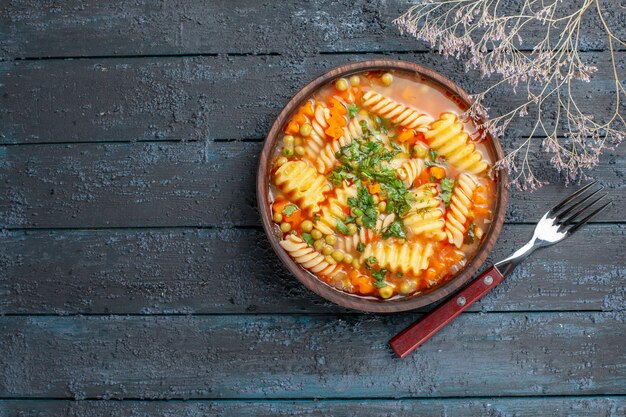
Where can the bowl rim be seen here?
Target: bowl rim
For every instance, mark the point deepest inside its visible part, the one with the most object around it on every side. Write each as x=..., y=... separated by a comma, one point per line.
x=319, y=287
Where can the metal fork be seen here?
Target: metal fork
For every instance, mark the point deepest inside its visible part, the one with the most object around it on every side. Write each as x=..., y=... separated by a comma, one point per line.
x=557, y=224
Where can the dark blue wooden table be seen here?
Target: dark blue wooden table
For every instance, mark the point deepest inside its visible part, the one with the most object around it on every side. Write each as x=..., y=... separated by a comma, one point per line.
x=135, y=278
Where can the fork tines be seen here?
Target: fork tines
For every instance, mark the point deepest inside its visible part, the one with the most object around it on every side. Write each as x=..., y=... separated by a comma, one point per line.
x=572, y=203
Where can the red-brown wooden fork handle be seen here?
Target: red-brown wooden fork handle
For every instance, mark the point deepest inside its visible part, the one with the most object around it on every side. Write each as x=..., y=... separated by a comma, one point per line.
x=413, y=336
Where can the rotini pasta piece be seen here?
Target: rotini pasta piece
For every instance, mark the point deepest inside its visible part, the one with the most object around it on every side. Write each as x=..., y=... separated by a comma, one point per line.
x=335, y=207
x=308, y=257
x=302, y=184
x=458, y=213
x=400, y=257
x=317, y=139
x=425, y=216
x=410, y=170
x=449, y=139
x=327, y=158
x=396, y=112
x=349, y=243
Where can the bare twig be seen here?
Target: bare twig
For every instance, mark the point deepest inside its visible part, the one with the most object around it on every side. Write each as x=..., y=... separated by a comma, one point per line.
x=489, y=39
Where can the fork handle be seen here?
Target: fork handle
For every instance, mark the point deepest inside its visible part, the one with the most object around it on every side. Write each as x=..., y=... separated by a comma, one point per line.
x=413, y=336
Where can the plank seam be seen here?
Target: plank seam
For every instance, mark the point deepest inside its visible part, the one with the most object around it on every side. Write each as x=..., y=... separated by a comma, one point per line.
x=317, y=399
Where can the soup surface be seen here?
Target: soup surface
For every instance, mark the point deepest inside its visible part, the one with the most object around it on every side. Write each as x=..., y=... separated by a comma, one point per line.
x=378, y=188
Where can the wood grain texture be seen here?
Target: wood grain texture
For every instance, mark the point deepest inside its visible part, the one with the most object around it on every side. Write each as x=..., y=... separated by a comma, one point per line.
x=234, y=271
x=31, y=29
x=609, y=406
x=309, y=357
x=188, y=184
x=216, y=97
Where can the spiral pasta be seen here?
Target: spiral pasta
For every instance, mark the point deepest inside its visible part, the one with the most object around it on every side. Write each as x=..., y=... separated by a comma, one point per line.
x=460, y=203
x=335, y=208
x=399, y=257
x=425, y=216
x=302, y=184
x=327, y=158
x=308, y=257
x=410, y=170
x=448, y=137
x=317, y=139
x=349, y=243
x=396, y=112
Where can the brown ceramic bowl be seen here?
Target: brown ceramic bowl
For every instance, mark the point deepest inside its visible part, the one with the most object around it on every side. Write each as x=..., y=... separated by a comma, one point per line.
x=357, y=302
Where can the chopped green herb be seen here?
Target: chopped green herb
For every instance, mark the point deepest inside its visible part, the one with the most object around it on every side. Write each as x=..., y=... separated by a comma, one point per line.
x=433, y=155
x=469, y=239
x=290, y=209
x=349, y=219
x=341, y=227
x=371, y=261
x=360, y=246
x=379, y=277
x=307, y=238
x=447, y=185
x=395, y=229
x=380, y=284
x=364, y=205
x=383, y=124
x=353, y=109
x=399, y=274
x=430, y=164
x=316, y=217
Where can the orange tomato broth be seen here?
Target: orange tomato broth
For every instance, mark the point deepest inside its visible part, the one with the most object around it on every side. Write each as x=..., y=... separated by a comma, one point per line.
x=407, y=89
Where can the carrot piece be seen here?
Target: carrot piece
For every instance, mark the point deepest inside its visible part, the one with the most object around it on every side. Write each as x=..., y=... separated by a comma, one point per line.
x=300, y=118
x=405, y=136
x=373, y=188
x=279, y=205
x=295, y=219
x=292, y=128
x=423, y=178
x=366, y=287
x=337, y=106
x=438, y=172
x=307, y=109
x=362, y=282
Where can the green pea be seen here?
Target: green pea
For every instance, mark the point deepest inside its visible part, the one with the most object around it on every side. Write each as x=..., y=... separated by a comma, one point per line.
x=387, y=78
x=305, y=129
x=341, y=84
x=307, y=226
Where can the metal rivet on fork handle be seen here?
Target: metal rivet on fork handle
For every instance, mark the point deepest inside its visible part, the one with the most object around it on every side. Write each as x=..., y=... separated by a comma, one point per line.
x=488, y=280
x=461, y=301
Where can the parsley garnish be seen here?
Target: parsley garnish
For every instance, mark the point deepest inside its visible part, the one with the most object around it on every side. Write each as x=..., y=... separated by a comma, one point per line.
x=430, y=164
x=341, y=227
x=290, y=209
x=366, y=158
x=353, y=109
x=371, y=261
x=364, y=203
x=360, y=246
x=433, y=155
x=307, y=238
x=395, y=229
x=379, y=277
x=446, y=190
x=383, y=124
